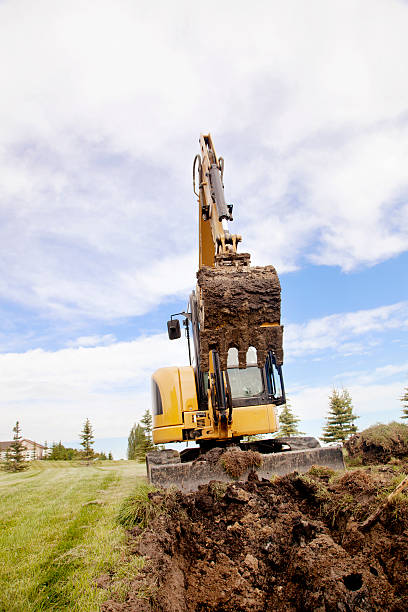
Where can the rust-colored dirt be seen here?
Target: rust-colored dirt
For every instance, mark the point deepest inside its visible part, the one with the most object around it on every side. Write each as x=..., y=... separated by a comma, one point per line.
x=234, y=303
x=259, y=546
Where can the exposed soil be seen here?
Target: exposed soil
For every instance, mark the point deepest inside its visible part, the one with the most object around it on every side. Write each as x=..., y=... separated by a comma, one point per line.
x=291, y=544
x=234, y=303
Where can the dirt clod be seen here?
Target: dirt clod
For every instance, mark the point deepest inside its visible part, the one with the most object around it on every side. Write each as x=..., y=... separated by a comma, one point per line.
x=291, y=544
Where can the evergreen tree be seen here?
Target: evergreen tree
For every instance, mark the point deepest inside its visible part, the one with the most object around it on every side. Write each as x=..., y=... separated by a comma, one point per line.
x=87, y=438
x=147, y=424
x=288, y=422
x=136, y=443
x=15, y=459
x=340, y=420
x=60, y=453
x=110, y=456
x=404, y=400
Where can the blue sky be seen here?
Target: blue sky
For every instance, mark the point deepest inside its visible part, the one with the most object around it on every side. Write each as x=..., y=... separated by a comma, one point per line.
x=100, y=115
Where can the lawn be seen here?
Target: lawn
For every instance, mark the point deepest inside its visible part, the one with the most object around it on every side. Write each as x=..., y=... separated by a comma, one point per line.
x=58, y=533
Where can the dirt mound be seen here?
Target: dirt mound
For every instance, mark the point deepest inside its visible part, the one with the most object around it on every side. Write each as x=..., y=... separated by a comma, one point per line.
x=291, y=544
x=379, y=444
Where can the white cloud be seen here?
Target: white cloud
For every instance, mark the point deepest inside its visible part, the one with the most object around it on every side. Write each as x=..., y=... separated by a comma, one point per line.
x=373, y=402
x=52, y=393
x=386, y=372
x=100, y=111
x=84, y=341
x=343, y=332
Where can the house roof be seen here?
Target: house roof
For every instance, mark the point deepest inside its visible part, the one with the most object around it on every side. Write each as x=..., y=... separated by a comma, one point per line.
x=32, y=442
x=5, y=445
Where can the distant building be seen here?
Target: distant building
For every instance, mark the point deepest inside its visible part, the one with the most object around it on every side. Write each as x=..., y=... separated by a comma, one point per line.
x=33, y=450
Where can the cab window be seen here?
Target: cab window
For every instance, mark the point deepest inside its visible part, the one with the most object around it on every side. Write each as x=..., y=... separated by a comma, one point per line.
x=156, y=399
x=244, y=383
x=274, y=379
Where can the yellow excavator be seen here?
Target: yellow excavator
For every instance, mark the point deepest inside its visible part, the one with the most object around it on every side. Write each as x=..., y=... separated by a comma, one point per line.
x=230, y=393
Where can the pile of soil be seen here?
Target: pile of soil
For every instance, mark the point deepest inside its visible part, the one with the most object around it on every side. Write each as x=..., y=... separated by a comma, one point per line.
x=290, y=544
x=379, y=444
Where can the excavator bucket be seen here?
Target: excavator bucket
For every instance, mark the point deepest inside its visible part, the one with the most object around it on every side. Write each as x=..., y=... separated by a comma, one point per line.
x=239, y=306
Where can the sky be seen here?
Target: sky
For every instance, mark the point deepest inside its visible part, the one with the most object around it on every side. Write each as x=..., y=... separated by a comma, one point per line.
x=101, y=109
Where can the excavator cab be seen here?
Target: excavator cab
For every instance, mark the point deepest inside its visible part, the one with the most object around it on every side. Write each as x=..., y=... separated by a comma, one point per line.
x=253, y=384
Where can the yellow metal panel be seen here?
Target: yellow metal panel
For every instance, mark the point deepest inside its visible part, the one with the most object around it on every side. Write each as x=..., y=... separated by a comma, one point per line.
x=168, y=381
x=188, y=389
x=251, y=420
x=161, y=435
x=206, y=242
x=178, y=394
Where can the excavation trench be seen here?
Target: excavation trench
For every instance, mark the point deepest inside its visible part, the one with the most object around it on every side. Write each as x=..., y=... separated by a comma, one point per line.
x=291, y=544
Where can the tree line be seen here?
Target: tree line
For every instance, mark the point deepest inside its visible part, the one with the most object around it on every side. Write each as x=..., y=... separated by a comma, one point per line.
x=15, y=460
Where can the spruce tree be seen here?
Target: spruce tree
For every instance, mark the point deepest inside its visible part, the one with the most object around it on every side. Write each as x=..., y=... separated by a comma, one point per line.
x=110, y=456
x=147, y=424
x=404, y=400
x=15, y=459
x=136, y=443
x=87, y=438
x=288, y=422
x=340, y=420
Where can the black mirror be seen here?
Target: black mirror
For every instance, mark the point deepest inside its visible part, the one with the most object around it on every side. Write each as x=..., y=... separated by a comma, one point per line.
x=173, y=328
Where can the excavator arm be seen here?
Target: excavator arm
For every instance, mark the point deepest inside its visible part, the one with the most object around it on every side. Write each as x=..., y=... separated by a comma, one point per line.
x=214, y=213
x=239, y=305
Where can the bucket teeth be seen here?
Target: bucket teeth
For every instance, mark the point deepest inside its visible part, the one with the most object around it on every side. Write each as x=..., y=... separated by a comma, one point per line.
x=239, y=308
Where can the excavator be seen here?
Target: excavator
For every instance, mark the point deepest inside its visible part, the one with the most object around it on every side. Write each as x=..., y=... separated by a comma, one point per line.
x=229, y=395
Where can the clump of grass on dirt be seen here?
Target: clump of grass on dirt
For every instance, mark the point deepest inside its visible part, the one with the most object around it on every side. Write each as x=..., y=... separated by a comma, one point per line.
x=386, y=435
x=356, y=481
x=138, y=509
x=336, y=497
x=379, y=443
x=322, y=472
x=236, y=462
x=218, y=489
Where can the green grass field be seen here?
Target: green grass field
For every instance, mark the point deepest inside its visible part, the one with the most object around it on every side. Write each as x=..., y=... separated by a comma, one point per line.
x=58, y=533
